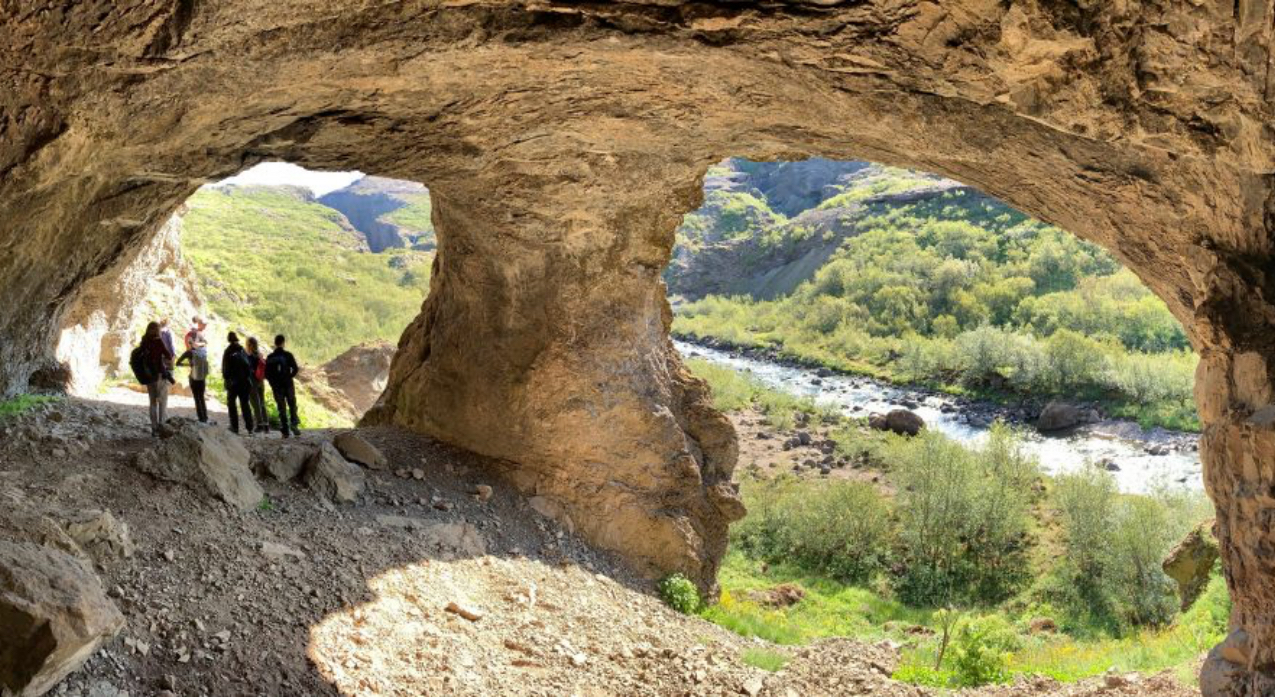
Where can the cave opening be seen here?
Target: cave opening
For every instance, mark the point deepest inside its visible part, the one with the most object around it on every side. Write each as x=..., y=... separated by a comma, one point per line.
x=337, y=262
x=931, y=388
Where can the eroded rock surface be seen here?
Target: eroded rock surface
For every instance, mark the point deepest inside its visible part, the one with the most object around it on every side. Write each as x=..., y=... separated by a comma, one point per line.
x=562, y=141
x=1190, y=563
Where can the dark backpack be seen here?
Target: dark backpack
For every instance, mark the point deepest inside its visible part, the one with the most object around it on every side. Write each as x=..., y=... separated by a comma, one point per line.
x=237, y=369
x=276, y=368
x=141, y=365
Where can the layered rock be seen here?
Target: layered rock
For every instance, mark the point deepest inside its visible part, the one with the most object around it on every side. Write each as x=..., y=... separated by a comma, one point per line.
x=1190, y=563
x=208, y=459
x=562, y=141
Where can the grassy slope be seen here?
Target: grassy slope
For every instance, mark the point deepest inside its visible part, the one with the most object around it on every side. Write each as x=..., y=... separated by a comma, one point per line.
x=414, y=216
x=273, y=263
x=270, y=262
x=896, y=300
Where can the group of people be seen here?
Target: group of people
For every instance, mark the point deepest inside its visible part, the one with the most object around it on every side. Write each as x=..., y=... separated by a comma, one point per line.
x=245, y=370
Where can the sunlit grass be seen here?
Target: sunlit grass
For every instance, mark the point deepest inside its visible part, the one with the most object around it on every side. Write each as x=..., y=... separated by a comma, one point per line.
x=832, y=609
x=23, y=403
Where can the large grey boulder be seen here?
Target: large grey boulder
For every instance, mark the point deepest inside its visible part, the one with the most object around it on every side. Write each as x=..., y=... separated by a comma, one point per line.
x=329, y=474
x=280, y=460
x=207, y=459
x=54, y=614
x=356, y=449
x=1059, y=416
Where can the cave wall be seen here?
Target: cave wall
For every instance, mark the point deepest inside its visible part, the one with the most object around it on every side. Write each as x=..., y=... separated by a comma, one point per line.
x=561, y=140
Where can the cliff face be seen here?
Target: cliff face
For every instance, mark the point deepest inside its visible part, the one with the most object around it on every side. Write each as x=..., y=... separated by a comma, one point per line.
x=368, y=203
x=1141, y=126
x=108, y=316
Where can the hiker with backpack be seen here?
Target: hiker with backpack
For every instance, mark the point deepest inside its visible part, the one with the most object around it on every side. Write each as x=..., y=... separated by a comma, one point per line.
x=197, y=355
x=257, y=392
x=150, y=363
x=236, y=371
x=281, y=369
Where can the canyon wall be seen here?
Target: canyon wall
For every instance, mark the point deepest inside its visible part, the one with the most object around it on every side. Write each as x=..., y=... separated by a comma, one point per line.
x=562, y=141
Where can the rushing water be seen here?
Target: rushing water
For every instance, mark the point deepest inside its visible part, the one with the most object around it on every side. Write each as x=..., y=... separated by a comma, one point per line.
x=1122, y=446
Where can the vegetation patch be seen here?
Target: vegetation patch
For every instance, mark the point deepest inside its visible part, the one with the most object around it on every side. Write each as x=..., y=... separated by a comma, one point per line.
x=980, y=566
x=23, y=403
x=271, y=260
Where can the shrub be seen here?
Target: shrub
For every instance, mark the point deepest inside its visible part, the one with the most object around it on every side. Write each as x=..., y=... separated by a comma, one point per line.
x=963, y=517
x=979, y=650
x=838, y=528
x=679, y=593
x=764, y=659
x=1110, y=576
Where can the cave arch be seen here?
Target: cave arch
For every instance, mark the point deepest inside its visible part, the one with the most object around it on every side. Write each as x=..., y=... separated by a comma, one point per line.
x=564, y=141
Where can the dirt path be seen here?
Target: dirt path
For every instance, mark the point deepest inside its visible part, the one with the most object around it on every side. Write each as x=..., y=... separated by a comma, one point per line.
x=301, y=597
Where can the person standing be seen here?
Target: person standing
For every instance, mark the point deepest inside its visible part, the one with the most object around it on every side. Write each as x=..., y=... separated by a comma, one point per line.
x=237, y=374
x=197, y=355
x=157, y=358
x=257, y=391
x=281, y=369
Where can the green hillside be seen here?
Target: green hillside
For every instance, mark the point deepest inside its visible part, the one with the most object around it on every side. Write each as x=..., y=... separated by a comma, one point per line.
x=272, y=260
x=921, y=280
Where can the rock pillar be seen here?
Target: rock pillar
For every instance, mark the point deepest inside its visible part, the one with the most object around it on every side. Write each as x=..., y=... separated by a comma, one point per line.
x=544, y=342
x=1235, y=391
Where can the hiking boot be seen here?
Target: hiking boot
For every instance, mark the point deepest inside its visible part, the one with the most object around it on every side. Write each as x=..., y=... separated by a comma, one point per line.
x=284, y=432
x=296, y=431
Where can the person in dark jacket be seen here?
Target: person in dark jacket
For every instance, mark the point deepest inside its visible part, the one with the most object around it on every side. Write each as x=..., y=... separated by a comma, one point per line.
x=257, y=393
x=281, y=369
x=236, y=372
x=158, y=359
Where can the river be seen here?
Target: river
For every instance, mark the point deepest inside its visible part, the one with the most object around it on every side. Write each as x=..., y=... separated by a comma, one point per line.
x=1120, y=446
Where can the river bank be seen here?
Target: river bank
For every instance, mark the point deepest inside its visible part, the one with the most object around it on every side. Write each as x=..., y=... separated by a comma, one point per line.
x=1140, y=459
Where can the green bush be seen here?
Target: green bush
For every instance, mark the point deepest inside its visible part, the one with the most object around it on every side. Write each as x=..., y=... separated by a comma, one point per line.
x=965, y=293
x=1110, y=576
x=979, y=650
x=963, y=517
x=679, y=593
x=765, y=659
x=838, y=528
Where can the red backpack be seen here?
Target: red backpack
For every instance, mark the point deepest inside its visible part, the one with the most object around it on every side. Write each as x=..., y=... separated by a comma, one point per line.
x=259, y=373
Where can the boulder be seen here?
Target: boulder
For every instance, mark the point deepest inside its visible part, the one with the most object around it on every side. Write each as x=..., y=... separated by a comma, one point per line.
x=1058, y=416
x=356, y=449
x=280, y=460
x=332, y=476
x=1191, y=562
x=207, y=459
x=54, y=614
x=900, y=421
x=99, y=533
